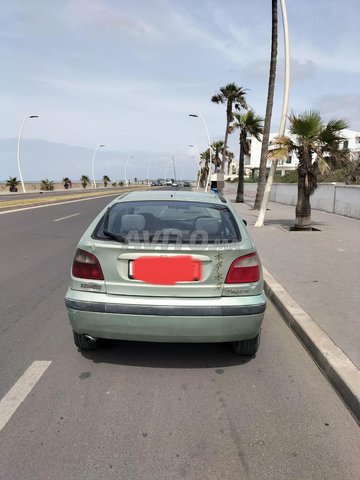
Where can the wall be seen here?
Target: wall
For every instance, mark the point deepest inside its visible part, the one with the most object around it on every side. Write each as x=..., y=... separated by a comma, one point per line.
x=347, y=201
x=334, y=198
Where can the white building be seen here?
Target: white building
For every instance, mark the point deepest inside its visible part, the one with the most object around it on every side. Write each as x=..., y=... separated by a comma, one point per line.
x=252, y=161
x=352, y=141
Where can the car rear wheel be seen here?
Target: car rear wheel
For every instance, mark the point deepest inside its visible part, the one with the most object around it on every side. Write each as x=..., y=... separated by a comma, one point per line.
x=84, y=343
x=247, y=347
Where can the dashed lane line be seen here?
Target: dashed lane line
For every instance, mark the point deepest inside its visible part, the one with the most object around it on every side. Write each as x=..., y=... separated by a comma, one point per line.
x=18, y=392
x=65, y=218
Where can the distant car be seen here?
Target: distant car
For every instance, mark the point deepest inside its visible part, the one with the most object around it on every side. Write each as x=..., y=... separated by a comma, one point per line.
x=167, y=266
x=187, y=184
x=154, y=184
x=174, y=184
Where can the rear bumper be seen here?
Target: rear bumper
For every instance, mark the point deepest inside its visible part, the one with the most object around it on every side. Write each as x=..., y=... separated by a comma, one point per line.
x=219, y=319
x=165, y=310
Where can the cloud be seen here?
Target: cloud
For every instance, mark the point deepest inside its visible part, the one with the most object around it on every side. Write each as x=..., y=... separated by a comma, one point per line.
x=132, y=98
x=334, y=49
x=113, y=87
x=98, y=88
x=345, y=106
x=107, y=18
x=128, y=72
x=300, y=70
x=226, y=38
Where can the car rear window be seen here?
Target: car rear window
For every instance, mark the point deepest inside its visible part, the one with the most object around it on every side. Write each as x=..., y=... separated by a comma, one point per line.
x=168, y=222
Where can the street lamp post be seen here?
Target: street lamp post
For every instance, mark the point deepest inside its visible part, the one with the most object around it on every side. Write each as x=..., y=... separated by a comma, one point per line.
x=209, y=143
x=18, y=147
x=148, y=172
x=126, y=165
x=173, y=161
x=198, y=165
x=99, y=145
x=260, y=220
x=166, y=170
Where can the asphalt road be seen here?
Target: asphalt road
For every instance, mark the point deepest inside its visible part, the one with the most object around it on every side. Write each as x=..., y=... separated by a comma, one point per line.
x=143, y=411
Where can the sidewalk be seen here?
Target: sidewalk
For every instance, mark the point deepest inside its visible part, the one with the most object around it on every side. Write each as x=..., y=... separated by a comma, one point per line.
x=313, y=279
x=319, y=269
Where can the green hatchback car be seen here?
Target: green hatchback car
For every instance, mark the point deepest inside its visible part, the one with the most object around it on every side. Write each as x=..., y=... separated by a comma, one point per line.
x=167, y=266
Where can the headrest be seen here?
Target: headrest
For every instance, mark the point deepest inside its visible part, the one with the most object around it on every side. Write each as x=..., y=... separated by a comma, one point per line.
x=132, y=222
x=209, y=225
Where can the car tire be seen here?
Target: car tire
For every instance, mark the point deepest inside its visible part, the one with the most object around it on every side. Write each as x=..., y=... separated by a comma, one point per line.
x=83, y=342
x=247, y=347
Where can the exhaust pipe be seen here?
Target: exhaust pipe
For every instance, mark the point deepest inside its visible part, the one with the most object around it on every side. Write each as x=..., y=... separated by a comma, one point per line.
x=89, y=337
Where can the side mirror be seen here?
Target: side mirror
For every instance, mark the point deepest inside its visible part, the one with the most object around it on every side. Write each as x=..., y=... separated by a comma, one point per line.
x=245, y=222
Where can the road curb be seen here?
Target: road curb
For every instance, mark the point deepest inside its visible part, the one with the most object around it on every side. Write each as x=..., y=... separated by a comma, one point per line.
x=340, y=371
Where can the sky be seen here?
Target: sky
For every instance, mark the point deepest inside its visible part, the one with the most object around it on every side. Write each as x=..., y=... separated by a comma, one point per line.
x=127, y=73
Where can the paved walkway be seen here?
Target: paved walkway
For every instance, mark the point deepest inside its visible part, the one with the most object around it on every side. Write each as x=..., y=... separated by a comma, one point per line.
x=319, y=269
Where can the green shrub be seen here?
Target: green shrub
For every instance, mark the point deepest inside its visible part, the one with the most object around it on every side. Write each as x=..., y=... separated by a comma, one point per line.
x=353, y=172
x=47, y=184
x=338, y=175
x=289, y=177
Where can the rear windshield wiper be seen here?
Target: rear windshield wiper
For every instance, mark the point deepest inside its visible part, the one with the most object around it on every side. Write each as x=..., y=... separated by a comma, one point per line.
x=118, y=238
x=114, y=236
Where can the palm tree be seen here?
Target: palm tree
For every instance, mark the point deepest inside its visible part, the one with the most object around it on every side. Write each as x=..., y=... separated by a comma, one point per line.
x=12, y=183
x=229, y=157
x=106, y=179
x=316, y=145
x=249, y=124
x=218, y=148
x=233, y=96
x=204, y=170
x=85, y=180
x=269, y=106
x=66, y=182
x=47, y=184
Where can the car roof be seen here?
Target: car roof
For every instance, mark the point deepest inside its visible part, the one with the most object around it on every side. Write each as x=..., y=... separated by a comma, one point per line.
x=170, y=195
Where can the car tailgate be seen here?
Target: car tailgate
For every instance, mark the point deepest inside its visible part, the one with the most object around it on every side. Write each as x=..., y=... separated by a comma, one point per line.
x=117, y=265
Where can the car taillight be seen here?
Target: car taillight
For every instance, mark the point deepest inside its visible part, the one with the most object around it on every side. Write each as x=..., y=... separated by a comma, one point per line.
x=86, y=265
x=245, y=269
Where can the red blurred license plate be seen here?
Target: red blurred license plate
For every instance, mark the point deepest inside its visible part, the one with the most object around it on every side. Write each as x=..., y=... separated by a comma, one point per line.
x=165, y=270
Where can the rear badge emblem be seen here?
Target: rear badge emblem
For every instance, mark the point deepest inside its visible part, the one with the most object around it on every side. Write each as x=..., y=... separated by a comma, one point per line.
x=92, y=286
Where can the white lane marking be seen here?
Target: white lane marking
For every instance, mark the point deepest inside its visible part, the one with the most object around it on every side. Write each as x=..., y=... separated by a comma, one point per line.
x=59, y=203
x=65, y=218
x=18, y=392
